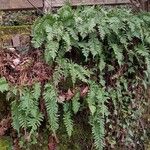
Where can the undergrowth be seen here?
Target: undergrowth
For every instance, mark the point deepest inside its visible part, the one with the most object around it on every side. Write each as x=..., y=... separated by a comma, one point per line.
x=100, y=63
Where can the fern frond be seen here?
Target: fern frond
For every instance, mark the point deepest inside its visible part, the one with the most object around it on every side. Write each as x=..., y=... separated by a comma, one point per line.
x=37, y=91
x=3, y=85
x=50, y=97
x=67, y=119
x=76, y=103
x=78, y=72
x=26, y=114
x=15, y=115
x=35, y=121
x=98, y=128
x=118, y=53
x=51, y=50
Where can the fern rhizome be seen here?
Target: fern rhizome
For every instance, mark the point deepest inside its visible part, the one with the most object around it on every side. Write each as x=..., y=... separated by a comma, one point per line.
x=98, y=59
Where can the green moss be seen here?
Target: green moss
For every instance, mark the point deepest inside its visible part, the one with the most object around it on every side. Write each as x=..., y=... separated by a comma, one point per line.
x=81, y=138
x=7, y=32
x=5, y=144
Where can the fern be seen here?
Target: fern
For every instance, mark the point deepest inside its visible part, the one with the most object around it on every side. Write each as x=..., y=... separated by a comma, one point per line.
x=3, y=85
x=118, y=53
x=67, y=119
x=15, y=115
x=37, y=91
x=34, y=117
x=50, y=97
x=97, y=123
x=26, y=113
x=78, y=72
x=96, y=100
x=51, y=50
x=75, y=71
x=108, y=43
x=76, y=103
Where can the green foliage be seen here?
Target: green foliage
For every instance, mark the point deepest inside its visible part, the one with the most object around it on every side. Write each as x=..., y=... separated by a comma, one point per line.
x=50, y=97
x=76, y=103
x=101, y=44
x=67, y=119
x=96, y=100
x=105, y=49
x=25, y=111
x=3, y=85
x=70, y=69
x=98, y=131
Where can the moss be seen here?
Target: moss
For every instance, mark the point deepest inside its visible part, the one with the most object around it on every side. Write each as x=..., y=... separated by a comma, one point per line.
x=7, y=32
x=81, y=138
x=5, y=143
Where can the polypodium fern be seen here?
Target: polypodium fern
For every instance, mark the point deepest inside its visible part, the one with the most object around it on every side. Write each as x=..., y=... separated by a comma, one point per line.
x=29, y=115
x=15, y=115
x=3, y=85
x=73, y=70
x=78, y=72
x=76, y=103
x=67, y=119
x=98, y=131
x=50, y=97
x=105, y=49
x=96, y=100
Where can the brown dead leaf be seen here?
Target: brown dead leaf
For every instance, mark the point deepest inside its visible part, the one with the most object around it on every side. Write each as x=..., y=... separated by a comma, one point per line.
x=84, y=91
x=52, y=144
x=16, y=40
x=69, y=94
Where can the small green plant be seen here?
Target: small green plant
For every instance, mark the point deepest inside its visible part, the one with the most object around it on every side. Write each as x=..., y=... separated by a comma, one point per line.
x=97, y=55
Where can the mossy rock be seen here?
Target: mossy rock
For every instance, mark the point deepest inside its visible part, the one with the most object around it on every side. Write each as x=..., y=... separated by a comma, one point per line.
x=8, y=32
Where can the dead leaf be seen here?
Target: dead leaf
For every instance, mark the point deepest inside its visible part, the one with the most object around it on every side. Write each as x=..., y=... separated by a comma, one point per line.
x=16, y=40
x=61, y=98
x=69, y=95
x=52, y=144
x=84, y=91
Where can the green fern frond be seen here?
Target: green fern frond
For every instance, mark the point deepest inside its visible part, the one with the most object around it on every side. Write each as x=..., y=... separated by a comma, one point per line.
x=37, y=91
x=76, y=103
x=51, y=50
x=26, y=113
x=78, y=72
x=15, y=115
x=34, y=122
x=50, y=97
x=98, y=129
x=3, y=85
x=67, y=119
x=118, y=53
